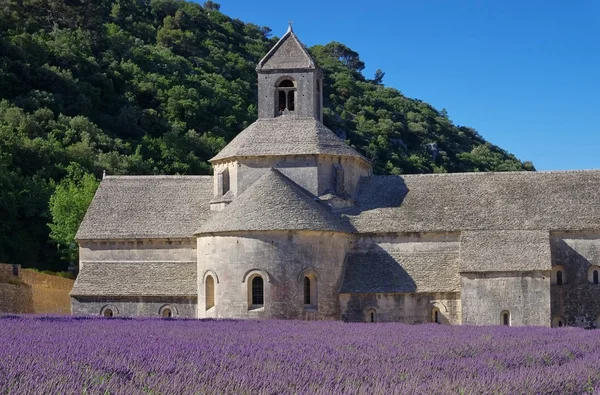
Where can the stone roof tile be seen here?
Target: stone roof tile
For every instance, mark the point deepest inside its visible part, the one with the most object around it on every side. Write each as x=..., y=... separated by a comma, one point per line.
x=131, y=207
x=286, y=135
x=136, y=279
x=568, y=200
x=417, y=269
x=274, y=202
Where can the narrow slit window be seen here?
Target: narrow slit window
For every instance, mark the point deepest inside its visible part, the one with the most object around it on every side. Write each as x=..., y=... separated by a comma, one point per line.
x=307, y=296
x=372, y=316
x=258, y=298
x=595, y=276
x=506, y=318
x=209, y=292
x=559, y=277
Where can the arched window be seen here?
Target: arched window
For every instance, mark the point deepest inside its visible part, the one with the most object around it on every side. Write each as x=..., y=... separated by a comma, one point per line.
x=593, y=272
x=167, y=311
x=559, y=277
x=436, y=316
x=505, y=318
x=309, y=286
x=559, y=322
x=209, y=292
x=286, y=96
x=109, y=311
x=257, y=296
x=371, y=315
x=307, y=300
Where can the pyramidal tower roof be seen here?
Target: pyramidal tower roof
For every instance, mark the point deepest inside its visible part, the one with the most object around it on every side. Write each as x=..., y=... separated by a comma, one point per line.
x=273, y=202
x=288, y=53
x=286, y=136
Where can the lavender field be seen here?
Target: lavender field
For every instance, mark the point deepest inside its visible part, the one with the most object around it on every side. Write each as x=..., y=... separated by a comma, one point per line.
x=54, y=355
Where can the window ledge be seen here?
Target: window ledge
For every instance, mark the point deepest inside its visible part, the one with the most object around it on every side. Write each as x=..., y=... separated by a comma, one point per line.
x=256, y=308
x=308, y=307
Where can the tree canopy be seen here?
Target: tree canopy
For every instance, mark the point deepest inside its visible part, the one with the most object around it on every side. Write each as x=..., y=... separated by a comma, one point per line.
x=159, y=87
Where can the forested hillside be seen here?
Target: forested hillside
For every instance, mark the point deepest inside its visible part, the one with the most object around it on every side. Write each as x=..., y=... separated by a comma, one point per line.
x=159, y=87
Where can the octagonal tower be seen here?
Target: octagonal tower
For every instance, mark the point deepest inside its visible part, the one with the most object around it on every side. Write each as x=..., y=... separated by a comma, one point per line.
x=289, y=135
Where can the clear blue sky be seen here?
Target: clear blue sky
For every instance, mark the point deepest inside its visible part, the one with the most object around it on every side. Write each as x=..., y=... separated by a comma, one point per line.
x=525, y=74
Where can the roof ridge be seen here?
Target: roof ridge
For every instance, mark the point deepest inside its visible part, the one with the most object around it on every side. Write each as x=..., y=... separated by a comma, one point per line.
x=487, y=173
x=158, y=176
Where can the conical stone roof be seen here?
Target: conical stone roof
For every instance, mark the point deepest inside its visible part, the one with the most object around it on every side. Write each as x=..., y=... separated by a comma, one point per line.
x=274, y=202
x=286, y=135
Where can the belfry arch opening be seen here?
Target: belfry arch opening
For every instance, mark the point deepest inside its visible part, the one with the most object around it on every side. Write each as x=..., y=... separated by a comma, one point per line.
x=285, y=95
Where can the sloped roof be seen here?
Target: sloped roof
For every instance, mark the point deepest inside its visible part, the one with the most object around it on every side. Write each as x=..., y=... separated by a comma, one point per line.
x=285, y=135
x=415, y=267
x=273, y=202
x=288, y=53
x=568, y=200
x=504, y=250
x=136, y=279
x=147, y=207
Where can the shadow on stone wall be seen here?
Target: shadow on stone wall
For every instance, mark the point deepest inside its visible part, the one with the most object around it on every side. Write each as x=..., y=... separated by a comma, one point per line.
x=577, y=301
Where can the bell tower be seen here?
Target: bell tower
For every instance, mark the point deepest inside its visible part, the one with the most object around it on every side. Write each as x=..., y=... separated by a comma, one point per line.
x=289, y=82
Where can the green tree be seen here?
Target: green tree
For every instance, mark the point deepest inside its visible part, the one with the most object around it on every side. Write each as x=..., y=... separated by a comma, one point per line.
x=68, y=205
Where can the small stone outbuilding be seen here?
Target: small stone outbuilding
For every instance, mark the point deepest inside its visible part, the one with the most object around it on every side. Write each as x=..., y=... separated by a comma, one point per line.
x=293, y=224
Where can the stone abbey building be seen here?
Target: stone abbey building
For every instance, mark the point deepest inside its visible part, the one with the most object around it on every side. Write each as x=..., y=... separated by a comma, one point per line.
x=294, y=225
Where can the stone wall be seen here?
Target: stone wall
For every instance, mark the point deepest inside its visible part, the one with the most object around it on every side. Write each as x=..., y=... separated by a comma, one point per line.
x=315, y=173
x=306, y=96
x=577, y=300
x=408, y=308
x=143, y=252
x=138, y=250
x=33, y=292
x=50, y=293
x=143, y=306
x=525, y=295
x=282, y=259
x=16, y=298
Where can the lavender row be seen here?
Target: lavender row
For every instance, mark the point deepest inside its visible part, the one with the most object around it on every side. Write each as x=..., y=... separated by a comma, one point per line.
x=58, y=355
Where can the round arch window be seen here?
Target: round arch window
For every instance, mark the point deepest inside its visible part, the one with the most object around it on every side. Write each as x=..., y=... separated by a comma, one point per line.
x=286, y=95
